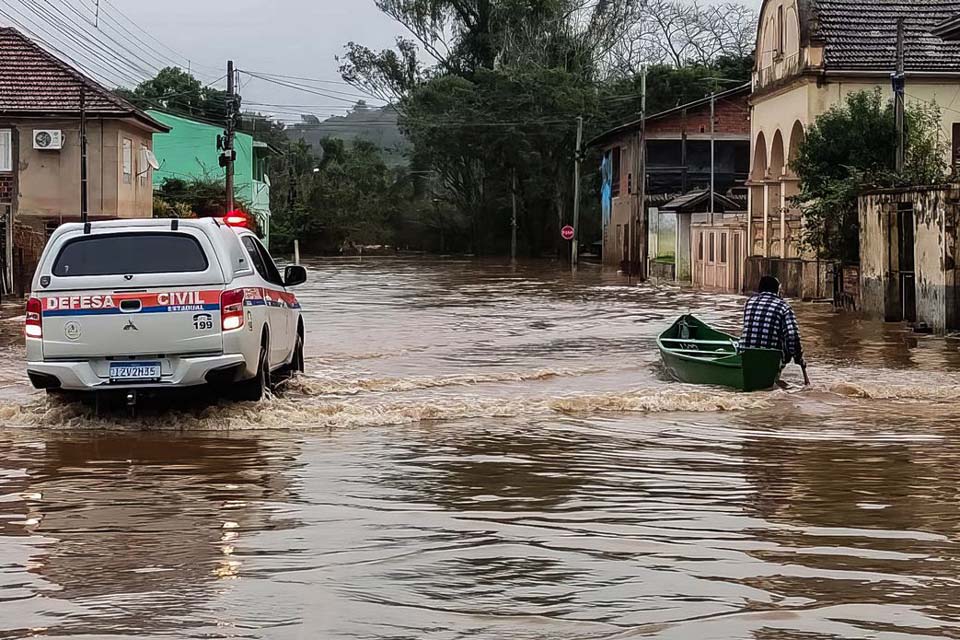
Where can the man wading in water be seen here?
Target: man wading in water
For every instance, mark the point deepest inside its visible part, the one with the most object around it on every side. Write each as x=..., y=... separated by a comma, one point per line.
x=769, y=323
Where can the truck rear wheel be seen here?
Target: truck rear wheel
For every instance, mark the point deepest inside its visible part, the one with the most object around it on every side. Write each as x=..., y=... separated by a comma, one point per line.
x=255, y=388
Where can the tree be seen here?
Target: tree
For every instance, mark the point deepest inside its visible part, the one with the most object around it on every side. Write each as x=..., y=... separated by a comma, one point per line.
x=347, y=199
x=175, y=90
x=500, y=86
x=851, y=148
x=677, y=33
x=195, y=197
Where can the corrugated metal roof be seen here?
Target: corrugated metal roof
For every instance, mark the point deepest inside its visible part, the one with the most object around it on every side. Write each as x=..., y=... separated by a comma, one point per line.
x=694, y=199
x=35, y=82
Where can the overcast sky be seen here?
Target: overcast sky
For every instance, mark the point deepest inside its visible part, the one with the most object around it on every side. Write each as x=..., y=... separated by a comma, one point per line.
x=288, y=37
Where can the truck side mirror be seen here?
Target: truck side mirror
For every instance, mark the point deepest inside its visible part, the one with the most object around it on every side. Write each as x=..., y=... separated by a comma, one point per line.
x=294, y=275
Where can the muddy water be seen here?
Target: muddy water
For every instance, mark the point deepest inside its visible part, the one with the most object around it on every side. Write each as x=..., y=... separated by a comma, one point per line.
x=493, y=453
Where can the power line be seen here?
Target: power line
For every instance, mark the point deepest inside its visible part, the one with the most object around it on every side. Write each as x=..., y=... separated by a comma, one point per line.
x=97, y=69
x=146, y=33
x=82, y=42
x=314, y=80
x=106, y=18
x=353, y=99
x=133, y=55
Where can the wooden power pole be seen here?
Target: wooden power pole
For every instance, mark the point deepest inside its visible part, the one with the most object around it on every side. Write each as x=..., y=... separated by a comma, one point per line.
x=643, y=222
x=229, y=153
x=513, y=220
x=899, y=90
x=576, y=194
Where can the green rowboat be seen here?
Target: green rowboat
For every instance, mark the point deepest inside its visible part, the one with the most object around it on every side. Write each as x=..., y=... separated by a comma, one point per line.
x=696, y=353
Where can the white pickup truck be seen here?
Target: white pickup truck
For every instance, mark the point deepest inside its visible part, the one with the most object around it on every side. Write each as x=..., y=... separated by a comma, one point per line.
x=129, y=305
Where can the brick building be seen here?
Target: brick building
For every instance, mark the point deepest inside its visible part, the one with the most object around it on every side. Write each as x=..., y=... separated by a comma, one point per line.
x=677, y=162
x=40, y=99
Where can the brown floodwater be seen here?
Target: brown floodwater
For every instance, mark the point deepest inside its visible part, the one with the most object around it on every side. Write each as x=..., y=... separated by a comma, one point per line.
x=480, y=451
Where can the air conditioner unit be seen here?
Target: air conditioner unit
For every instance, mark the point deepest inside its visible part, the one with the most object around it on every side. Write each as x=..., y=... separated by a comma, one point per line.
x=48, y=139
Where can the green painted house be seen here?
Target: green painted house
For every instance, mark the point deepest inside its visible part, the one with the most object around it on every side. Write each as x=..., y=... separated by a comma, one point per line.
x=189, y=151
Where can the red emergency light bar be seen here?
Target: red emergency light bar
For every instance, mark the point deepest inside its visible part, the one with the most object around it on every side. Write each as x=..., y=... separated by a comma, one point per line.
x=236, y=219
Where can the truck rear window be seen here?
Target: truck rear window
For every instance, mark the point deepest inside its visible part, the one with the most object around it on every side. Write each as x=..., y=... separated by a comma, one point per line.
x=130, y=253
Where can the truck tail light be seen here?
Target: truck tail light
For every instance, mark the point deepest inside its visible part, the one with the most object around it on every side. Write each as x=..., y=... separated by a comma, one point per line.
x=231, y=309
x=34, y=326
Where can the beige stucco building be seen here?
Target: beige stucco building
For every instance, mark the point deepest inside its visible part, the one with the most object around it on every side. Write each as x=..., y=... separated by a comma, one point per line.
x=40, y=151
x=811, y=54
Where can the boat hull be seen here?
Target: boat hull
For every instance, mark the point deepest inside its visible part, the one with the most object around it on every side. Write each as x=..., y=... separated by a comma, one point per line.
x=695, y=353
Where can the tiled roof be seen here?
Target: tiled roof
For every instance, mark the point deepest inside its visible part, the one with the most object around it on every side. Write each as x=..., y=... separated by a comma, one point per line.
x=34, y=82
x=862, y=34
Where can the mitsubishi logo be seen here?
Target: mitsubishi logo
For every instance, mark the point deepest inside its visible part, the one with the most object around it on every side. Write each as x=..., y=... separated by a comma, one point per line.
x=130, y=326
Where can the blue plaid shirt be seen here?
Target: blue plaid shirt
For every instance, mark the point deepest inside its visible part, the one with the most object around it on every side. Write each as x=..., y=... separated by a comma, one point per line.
x=769, y=323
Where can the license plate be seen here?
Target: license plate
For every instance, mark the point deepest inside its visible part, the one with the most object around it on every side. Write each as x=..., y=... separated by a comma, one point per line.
x=134, y=371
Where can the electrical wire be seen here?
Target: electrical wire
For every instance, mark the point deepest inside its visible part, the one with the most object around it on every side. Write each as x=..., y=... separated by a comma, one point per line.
x=109, y=56
x=89, y=65
x=352, y=98
x=121, y=46
x=313, y=80
x=108, y=3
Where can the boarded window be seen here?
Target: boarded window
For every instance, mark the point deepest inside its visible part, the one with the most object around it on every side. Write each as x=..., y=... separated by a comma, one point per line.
x=127, y=160
x=6, y=150
x=130, y=253
x=723, y=248
x=615, y=162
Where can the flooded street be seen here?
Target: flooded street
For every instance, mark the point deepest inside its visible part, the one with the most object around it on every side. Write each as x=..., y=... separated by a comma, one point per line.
x=486, y=452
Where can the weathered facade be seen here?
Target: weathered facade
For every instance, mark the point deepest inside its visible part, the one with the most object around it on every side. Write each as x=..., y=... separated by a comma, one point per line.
x=908, y=252
x=677, y=162
x=811, y=54
x=40, y=106
x=682, y=232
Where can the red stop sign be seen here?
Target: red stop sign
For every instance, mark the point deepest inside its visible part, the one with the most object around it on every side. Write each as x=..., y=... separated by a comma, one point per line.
x=567, y=232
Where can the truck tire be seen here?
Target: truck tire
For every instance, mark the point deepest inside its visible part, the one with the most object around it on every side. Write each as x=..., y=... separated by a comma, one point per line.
x=296, y=365
x=255, y=388
x=296, y=360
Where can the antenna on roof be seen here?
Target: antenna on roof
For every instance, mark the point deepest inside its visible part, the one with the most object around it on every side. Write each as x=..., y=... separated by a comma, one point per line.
x=83, y=153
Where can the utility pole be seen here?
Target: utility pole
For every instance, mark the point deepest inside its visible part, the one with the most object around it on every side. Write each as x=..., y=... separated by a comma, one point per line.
x=83, y=154
x=643, y=222
x=576, y=193
x=229, y=155
x=899, y=89
x=713, y=149
x=96, y=16
x=513, y=222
